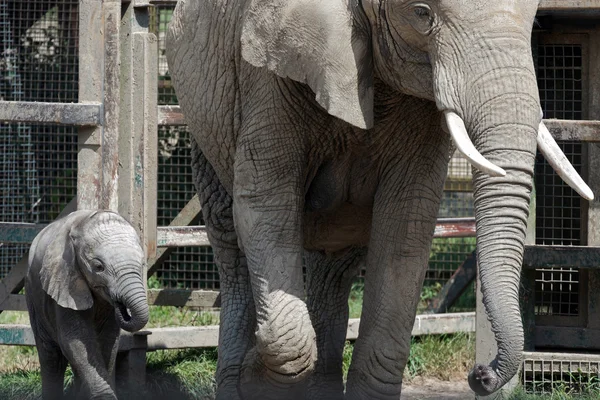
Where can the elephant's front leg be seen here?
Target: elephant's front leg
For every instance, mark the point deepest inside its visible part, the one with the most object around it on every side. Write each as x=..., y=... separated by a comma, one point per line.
x=328, y=282
x=109, y=345
x=404, y=217
x=268, y=211
x=78, y=341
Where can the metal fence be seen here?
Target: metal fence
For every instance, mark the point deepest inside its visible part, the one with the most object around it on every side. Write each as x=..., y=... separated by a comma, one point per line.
x=558, y=207
x=38, y=168
x=38, y=163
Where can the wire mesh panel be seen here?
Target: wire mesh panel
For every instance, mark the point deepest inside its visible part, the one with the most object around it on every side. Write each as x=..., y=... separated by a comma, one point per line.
x=38, y=163
x=188, y=267
x=447, y=254
x=558, y=208
x=571, y=375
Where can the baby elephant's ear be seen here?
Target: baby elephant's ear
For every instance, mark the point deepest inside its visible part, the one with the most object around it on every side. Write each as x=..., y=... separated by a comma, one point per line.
x=59, y=274
x=317, y=42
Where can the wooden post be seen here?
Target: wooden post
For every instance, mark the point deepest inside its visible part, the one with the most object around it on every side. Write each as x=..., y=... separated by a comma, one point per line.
x=137, y=143
x=91, y=66
x=138, y=123
x=592, y=174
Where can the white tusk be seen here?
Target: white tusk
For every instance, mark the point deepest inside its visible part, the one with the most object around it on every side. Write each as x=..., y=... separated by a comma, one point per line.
x=560, y=163
x=463, y=143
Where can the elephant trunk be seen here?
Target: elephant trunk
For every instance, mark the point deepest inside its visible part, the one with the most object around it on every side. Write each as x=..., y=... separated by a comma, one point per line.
x=504, y=129
x=131, y=302
x=493, y=101
x=501, y=211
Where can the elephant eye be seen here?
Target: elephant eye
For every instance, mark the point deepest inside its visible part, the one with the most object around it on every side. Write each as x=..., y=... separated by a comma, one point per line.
x=97, y=266
x=423, y=18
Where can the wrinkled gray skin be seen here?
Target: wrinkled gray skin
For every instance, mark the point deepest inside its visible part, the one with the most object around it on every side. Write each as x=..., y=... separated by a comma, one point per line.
x=84, y=284
x=318, y=130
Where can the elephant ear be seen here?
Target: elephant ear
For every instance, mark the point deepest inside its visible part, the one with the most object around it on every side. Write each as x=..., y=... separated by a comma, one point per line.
x=59, y=274
x=318, y=43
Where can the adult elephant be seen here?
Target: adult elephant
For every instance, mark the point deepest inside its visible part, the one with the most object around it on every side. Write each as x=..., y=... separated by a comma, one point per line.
x=320, y=130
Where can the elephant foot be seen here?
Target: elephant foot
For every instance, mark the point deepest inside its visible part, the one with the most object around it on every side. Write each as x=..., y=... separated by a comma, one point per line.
x=286, y=341
x=285, y=353
x=483, y=380
x=257, y=382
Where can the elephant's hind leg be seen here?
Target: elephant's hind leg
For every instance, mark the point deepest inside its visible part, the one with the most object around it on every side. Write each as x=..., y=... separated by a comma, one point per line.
x=329, y=279
x=237, y=324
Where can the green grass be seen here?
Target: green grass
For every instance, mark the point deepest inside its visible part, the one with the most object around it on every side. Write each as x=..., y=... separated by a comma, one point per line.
x=189, y=374
x=590, y=391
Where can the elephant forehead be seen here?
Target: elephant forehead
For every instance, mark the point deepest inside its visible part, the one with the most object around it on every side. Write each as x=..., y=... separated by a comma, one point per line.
x=119, y=252
x=108, y=224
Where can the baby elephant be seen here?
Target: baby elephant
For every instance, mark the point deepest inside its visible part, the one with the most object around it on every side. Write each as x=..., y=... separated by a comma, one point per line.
x=84, y=284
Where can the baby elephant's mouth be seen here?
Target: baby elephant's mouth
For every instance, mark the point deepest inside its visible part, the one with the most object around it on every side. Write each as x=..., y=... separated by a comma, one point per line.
x=123, y=311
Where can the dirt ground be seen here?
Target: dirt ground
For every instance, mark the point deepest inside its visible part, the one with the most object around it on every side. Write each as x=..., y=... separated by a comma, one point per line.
x=433, y=389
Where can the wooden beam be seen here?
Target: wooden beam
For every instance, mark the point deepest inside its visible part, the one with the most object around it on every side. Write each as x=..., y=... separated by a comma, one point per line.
x=14, y=302
x=184, y=298
x=73, y=114
x=19, y=232
x=571, y=130
x=208, y=336
x=12, y=283
x=537, y=256
x=455, y=286
x=170, y=115
x=567, y=337
x=182, y=236
x=188, y=215
x=569, y=5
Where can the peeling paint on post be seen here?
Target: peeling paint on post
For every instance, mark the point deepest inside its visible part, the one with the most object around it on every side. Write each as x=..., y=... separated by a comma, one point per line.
x=91, y=65
x=138, y=123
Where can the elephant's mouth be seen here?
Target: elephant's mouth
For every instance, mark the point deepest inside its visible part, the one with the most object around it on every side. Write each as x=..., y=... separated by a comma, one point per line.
x=123, y=311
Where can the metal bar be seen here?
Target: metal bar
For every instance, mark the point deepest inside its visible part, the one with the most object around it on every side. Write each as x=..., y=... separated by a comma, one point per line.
x=186, y=216
x=184, y=298
x=170, y=115
x=77, y=114
x=543, y=356
x=19, y=232
x=181, y=236
x=538, y=257
x=455, y=227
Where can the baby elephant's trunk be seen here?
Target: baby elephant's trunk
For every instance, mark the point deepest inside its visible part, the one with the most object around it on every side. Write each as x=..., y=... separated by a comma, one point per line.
x=132, y=305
